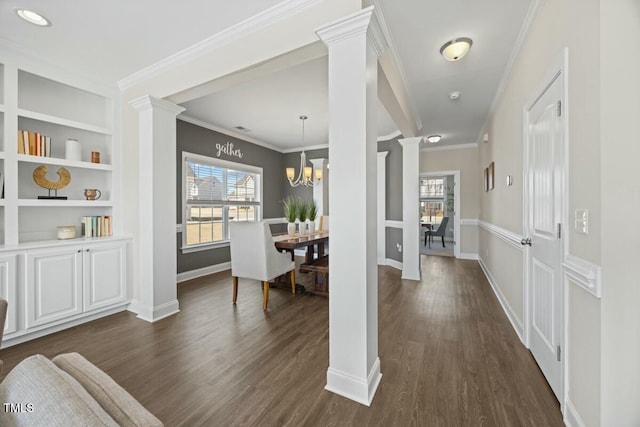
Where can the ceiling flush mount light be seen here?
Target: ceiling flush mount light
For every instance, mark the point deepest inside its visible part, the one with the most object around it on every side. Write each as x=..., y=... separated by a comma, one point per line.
x=33, y=18
x=434, y=138
x=454, y=95
x=305, y=177
x=455, y=49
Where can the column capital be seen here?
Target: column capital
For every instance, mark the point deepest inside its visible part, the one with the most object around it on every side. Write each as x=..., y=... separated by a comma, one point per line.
x=406, y=142
x=382, y=154
x=147, y=102
x=345, y=28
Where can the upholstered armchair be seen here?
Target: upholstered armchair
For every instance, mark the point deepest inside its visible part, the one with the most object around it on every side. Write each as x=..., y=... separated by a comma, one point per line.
x=254, y=256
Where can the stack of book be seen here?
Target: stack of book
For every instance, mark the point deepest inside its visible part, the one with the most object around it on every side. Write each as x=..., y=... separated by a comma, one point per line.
x=34, y=144
x=96, y=226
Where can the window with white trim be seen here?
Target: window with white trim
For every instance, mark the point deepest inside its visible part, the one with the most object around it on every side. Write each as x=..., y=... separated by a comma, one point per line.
x=432, y=199
x=216, y=192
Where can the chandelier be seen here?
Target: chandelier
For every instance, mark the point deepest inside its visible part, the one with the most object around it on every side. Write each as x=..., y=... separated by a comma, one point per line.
x=305, y=177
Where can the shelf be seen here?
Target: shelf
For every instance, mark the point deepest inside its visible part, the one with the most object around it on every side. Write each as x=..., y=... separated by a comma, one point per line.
x=63, y=122
x=64, y=242
x=65, y=203
x=1, y=202
x=63, y=162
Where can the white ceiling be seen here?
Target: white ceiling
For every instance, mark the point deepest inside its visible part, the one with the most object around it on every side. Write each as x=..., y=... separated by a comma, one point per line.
x=126, y=36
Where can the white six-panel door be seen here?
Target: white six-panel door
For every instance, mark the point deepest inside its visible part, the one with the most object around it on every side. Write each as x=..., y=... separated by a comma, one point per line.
x=544, y=193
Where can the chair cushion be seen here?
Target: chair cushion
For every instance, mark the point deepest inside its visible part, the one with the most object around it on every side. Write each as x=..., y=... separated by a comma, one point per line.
x=118, y=403
x=47, y=397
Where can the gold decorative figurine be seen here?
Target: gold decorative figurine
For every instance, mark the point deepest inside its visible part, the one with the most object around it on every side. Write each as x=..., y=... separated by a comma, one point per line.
x=40, y=177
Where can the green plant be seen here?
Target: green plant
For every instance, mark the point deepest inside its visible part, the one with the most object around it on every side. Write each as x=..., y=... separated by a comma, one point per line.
x=312, y=210
x=303, y=210
x=291, y=206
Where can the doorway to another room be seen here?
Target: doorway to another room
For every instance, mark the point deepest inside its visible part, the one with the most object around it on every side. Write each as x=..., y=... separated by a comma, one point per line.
x=438, y=219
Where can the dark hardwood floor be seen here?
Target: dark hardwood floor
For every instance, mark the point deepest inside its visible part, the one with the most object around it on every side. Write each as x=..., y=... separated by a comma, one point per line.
x=449, y=356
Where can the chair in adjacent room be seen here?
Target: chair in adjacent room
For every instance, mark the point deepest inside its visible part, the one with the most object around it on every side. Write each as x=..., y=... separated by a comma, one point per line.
x=254, y=256
x=439, y=232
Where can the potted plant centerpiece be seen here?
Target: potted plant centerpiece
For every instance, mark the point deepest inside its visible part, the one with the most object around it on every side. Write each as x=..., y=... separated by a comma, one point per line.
x=290, y=205
x=312, y=213
x=302, y=216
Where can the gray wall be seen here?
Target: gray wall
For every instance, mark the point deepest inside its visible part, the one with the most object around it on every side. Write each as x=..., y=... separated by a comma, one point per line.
x=198, y=140
x=394, y=195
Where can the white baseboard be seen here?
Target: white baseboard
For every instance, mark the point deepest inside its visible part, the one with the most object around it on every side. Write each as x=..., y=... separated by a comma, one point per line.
x=466, y=255
x=393, y=263
x=204, y=271
x=571, y=416
x=517, y=325
x=357, y=389
x=22, y=336
x=153, y=314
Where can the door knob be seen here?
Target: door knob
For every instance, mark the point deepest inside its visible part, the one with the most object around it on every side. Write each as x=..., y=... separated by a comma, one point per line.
x=525, y=241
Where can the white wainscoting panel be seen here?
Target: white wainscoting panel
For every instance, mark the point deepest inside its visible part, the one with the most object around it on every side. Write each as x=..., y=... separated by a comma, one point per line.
x=515, y=322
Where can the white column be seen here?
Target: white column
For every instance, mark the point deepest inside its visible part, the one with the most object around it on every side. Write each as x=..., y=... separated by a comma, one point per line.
x=157, y=205
x=354, y=366
x=321, y=190
x=411, y=207
x=382, y=207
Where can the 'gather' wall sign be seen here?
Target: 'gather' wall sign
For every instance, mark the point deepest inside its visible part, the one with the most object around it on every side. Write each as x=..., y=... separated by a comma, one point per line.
x=228, y=150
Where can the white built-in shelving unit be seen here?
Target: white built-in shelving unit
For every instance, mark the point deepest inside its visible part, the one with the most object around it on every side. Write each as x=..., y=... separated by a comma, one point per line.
x=60, y=282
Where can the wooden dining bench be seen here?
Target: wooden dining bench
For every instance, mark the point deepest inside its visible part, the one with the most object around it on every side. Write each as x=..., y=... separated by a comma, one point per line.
x=320, y=269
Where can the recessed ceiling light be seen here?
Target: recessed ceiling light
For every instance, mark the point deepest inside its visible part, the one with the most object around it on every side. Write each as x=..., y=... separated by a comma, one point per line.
x=33, y=18
x=455, y=49
x=434, y=138
x=454, y=95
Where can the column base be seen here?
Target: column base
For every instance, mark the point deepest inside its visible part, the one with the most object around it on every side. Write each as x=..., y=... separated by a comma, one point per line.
x=359, y=390
x=153, y=314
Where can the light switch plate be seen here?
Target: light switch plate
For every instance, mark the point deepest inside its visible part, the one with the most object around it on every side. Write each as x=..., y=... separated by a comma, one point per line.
x=582, y=221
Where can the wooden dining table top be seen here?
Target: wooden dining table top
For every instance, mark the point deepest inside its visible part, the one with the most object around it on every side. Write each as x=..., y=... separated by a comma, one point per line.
x=286, y=241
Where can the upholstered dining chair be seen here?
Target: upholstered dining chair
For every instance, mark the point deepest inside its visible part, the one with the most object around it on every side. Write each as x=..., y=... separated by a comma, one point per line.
x=254, y=256
x=439, y=232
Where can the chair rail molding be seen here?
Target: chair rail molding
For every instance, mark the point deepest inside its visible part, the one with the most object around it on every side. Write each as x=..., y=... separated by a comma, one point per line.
x=508, y=236
x=584, y=274
x=392, y=223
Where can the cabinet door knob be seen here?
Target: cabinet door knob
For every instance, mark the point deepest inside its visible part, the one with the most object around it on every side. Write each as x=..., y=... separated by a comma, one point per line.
x=79, y=250
x=87, y=250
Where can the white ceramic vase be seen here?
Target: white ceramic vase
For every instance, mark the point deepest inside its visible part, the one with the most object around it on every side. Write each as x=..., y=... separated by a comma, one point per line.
x=291, y=228
x=311, y=225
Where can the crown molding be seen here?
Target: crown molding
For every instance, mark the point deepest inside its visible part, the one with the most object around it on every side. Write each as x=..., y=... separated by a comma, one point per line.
x=147, y=102
x=524, y=31
x=346, y=27
x=310, y=147
x=238, y=135
x=224, y=37
x=390, y=136
x=376, y=34
x=451, y=147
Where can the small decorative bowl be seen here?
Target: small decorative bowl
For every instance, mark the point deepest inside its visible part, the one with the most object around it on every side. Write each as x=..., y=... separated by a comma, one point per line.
x=66, y=232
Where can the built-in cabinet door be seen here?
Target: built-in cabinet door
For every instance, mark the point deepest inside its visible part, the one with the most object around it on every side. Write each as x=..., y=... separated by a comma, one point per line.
x=8, y=289
x=104, y=275
x=53, y=286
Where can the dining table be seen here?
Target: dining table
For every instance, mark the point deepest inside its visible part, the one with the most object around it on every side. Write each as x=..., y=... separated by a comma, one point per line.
x=316, y=262
x=314, y=242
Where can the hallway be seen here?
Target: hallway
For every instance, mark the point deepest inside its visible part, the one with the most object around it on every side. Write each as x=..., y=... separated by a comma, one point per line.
x=449, y=357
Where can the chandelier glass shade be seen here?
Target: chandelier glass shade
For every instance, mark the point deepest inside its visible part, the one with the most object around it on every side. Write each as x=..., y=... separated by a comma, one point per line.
x=305, y=174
